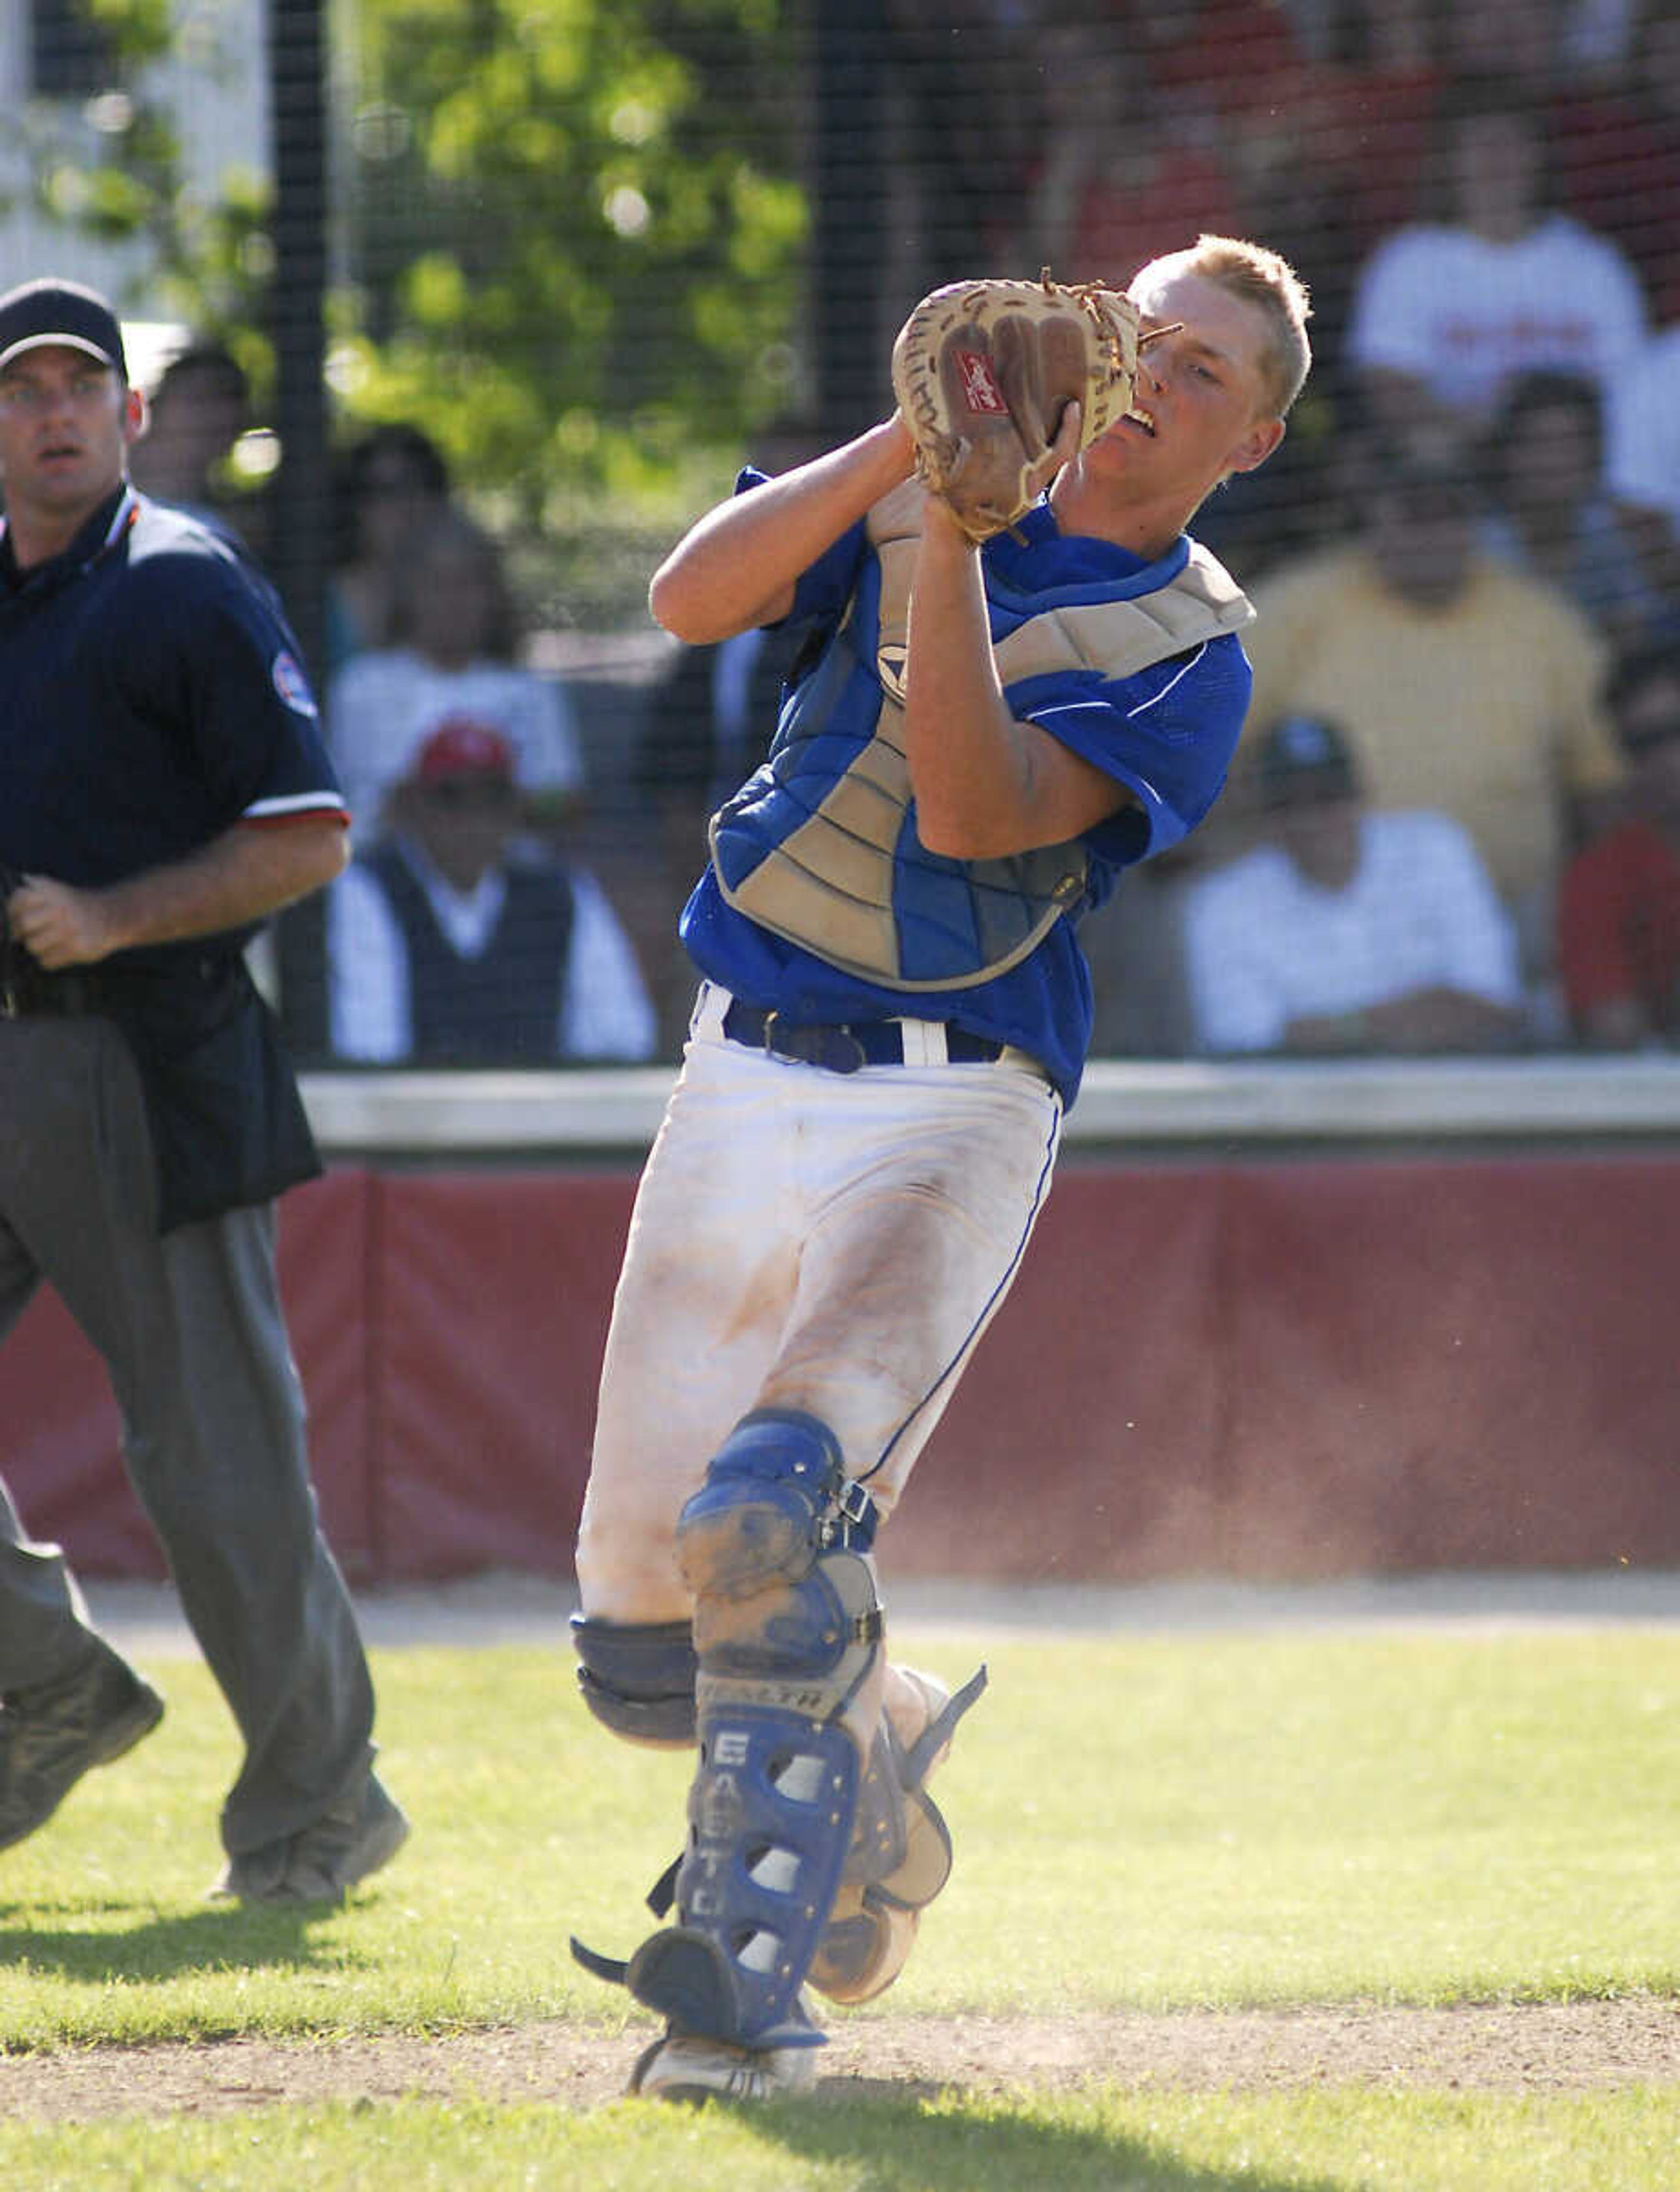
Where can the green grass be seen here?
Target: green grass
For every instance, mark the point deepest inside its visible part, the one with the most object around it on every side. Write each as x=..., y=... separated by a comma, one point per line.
x=1410, y=1817
x=1318, y=2142
x=1102, y=2142
x=1214, y=1820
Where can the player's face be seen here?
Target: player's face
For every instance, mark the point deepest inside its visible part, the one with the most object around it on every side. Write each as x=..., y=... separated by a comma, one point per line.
x=1203, y=390
x=65, y=424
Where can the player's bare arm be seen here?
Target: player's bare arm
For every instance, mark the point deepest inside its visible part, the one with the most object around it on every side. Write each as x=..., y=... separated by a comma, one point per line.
x=248, y=872
x=987, y=785
x=737, y=566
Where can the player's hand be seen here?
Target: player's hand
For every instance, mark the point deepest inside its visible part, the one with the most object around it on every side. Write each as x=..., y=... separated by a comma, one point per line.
x=60, y=925
x=938, y=517
x=1061, y=451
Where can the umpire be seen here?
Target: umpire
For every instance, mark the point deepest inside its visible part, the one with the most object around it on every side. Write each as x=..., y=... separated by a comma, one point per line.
x=163, y=787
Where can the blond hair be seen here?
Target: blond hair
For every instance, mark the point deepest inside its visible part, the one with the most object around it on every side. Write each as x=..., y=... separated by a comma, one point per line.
x=1265, y=279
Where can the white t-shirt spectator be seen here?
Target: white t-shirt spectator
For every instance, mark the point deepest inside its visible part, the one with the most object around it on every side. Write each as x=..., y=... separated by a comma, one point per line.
x=384, y=705
x=1264, y=946
x=1644, y=427
x=1461, y=314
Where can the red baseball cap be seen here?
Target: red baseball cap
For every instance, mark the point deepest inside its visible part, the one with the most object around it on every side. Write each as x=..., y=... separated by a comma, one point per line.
x=460, y=747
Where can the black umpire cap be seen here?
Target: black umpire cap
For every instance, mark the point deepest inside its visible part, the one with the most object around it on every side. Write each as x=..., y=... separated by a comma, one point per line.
x=37, y=313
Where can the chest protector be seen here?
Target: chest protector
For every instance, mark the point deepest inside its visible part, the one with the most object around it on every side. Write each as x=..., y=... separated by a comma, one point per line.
x=820, y=845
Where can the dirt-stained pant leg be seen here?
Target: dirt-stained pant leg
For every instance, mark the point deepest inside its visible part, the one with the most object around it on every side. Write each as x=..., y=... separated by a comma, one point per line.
x=708, y=1279
x=802, y=1241
x=914, y=1235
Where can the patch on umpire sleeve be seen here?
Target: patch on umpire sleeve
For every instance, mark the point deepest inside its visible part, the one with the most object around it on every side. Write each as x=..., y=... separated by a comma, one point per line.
x=291, y=685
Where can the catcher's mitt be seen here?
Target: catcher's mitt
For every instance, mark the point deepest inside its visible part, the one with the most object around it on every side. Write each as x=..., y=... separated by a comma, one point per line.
x=982, y=372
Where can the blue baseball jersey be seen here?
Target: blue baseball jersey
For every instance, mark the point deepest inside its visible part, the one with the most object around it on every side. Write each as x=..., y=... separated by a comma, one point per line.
x=150, y=698
x=1166, y=734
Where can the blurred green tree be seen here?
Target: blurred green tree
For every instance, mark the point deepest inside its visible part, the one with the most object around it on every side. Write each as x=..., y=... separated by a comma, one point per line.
x=572, y=230
x=100, y=147
x=568, y=232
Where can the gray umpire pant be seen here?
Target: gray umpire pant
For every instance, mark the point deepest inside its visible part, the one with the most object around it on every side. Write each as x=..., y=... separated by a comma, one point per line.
x=192, y=1331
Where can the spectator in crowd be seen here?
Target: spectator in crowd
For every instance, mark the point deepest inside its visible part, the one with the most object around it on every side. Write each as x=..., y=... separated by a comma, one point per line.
x=1643, y=468
x=386, y=484
x=1236, y=80
x=1140, y=991
x=1445, y=311
x=1351, y=147
x=1345, y=930
x=707, y=724
x=1597, y=40
x=1460, y=685
x=1619, y=913
x=1551, y=514
x=960, y=65
x=1118, y=179
x=1219, y=64
x=706, y=728
x=1615, y=152
x=1360, y=144
x=1153, y=125
x=1519, y=44
x=450, y=658
x=199, y=409
x=453, y=940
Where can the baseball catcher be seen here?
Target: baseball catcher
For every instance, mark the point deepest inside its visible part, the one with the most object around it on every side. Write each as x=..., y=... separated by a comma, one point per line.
x=1017, y=676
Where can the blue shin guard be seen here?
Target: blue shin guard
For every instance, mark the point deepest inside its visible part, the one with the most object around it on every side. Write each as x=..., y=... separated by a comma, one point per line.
x=787, y=1627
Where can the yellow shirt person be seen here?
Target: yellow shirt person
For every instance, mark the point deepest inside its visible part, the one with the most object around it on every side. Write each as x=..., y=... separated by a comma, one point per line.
x=1461, y=686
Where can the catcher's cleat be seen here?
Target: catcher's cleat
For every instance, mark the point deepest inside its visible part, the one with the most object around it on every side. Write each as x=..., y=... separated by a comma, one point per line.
x=51, y=1733
x=900, y=1856
x=685, y=2066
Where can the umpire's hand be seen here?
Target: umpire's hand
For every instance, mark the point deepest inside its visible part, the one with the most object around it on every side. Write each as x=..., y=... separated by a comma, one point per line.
x=59, y=925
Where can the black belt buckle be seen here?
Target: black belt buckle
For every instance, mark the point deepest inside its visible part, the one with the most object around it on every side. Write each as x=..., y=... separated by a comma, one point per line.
x=835, y=1049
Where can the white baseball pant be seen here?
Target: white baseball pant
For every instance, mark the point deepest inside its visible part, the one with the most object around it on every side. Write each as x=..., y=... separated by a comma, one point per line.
x=805, y=1239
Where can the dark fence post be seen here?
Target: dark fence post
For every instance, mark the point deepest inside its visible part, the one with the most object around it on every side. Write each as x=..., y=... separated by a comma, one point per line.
x=849, y=186
x=301, y=546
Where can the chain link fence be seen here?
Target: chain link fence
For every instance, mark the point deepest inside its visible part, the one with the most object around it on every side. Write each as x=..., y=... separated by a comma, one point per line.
x=596, y=257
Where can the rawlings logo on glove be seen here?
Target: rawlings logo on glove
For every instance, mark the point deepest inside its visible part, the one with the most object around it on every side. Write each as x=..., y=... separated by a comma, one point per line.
x=983, y=371
x=980, y=390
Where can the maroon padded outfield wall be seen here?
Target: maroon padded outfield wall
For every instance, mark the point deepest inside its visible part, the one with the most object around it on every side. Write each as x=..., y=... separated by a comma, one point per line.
x=1279, y=1370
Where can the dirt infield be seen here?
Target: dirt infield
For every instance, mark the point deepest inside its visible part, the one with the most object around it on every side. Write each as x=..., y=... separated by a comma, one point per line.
x=1551, y=2047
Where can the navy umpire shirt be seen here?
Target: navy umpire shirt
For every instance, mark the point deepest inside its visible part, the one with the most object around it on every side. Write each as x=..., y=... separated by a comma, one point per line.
x=150, y=698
